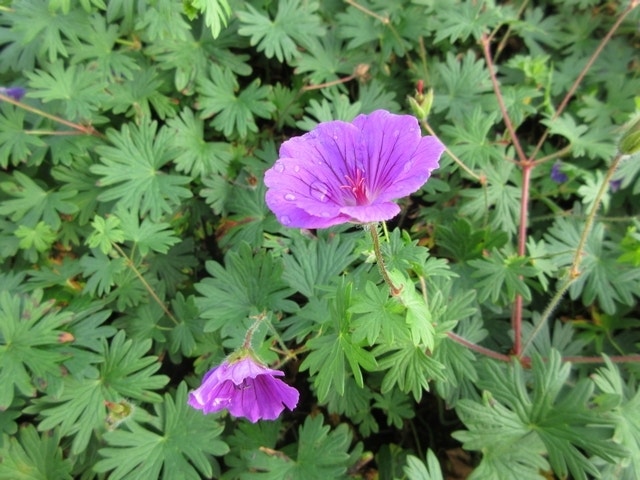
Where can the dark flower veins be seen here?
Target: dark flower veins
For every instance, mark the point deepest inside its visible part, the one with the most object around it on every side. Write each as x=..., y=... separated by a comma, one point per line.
x=350, y=172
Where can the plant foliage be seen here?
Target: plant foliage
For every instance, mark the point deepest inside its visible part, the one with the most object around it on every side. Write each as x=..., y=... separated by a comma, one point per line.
x=137, y=249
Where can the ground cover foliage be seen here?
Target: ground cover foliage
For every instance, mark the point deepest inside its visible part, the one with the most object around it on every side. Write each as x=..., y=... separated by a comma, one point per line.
x=136, y=248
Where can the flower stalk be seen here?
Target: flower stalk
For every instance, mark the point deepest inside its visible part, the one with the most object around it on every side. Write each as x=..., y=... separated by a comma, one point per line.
x=373, y=228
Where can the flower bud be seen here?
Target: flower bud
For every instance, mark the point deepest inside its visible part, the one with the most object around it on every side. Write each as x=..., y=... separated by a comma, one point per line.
x=421, y=102
x=630, y=140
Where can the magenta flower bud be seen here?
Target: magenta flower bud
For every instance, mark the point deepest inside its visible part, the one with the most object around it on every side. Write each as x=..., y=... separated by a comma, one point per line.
x=245, y=388
x=350, y=172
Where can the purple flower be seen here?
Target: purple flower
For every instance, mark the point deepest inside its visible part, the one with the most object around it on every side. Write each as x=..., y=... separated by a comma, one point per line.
x=615, y=185
x=245, y=388
x=558, y=175
x=350, y=172
x=14, y=92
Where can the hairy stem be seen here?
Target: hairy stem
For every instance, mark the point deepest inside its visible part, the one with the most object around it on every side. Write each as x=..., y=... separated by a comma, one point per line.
x=577, y=258
x=144, y=282
x=84, y=129
x=477, y=348
x=486, y=48
x=373, y=228
x=516, y=317
x=574, y=269
x=453, y=156
x=596, y=53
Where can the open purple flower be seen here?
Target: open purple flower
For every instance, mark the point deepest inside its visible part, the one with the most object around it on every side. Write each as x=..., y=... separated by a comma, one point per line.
x=245, y=388
x=350, y=172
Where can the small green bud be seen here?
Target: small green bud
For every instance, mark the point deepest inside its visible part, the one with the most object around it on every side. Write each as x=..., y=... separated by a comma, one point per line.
x=421, y=102
x=630, y=140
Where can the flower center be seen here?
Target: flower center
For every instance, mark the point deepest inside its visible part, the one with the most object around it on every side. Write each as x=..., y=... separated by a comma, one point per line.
x=356, y=185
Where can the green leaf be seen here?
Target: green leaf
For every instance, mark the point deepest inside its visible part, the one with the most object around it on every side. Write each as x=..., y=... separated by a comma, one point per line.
x=471, y=141
x=315, y=262
x=417, y=470
x=132, y=171
x=142, y=97
x=459, y=21
x=105, y=233
x=101, y=272
x=146, y=235
x=462, y=242
x=32, y=203
x=38, y=33
x=306, y=463
x=29, y=456
x=165, y=444
x=502, y=277
x=499, y=198
x=585, y=141
x=16, y=145
x=39, y=238
x=380, y=314
x=29, y=343
x=335, y=107
x=333, y=350
x=625, y=414
x=323, y=59
x=99, y=48
x=182, y=337
x=80, y=91
x=419, y=317
x=408, y=366
x=601, y=278
x=216, y=13
x=296, y=23
x=550, y=420
x=396, y=405
x=125, y=373
x=247, y=285
x=461, y=85
x=197, y=157
x=234, y=114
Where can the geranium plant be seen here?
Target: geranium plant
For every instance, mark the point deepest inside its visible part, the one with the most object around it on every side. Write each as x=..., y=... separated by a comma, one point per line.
x=319, y=240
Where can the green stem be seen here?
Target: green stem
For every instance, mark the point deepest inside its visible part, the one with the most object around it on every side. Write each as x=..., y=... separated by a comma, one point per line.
x=252, y=329
x=87, y=130
x=574, y=270
x=577, y=259
x=144, y=282
x=373, y=227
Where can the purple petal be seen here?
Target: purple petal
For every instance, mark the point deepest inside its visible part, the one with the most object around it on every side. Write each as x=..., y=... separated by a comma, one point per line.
x=245, y=368
x=411, y=176
x=372, y=213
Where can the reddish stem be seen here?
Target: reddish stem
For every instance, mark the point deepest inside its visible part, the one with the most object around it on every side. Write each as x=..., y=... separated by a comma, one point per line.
x=477, y=348
x=614, y=359
x=516, y=317
x=503, y=108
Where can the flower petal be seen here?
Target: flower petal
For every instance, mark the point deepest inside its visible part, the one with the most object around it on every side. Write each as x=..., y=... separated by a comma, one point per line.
x=412, y=175
x=245, y=388
x=399, y=160
x=372, y=213
x=306, y=185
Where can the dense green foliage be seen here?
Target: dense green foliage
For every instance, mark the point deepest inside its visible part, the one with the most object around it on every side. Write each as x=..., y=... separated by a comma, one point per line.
x=136, y=248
